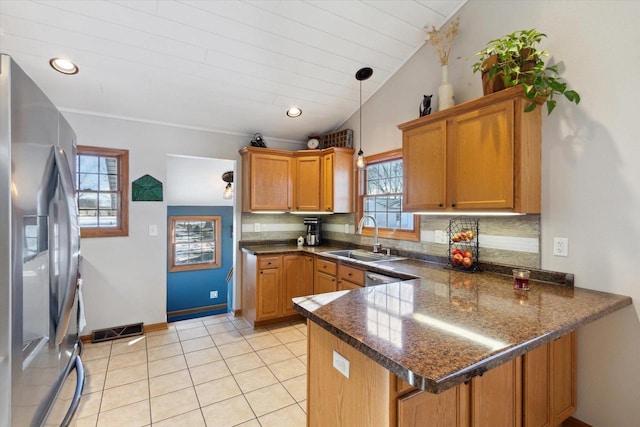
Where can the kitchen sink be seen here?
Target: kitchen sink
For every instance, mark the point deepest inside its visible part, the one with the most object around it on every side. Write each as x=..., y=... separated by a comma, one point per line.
x=364, y=256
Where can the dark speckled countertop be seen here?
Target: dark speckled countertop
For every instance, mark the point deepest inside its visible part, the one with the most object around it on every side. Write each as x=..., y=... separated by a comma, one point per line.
x=446, y=327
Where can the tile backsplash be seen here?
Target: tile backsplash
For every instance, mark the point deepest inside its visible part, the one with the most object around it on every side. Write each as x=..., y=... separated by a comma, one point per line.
x=510, y=240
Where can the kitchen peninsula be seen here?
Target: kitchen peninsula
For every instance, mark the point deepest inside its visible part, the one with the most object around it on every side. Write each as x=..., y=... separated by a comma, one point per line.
x=464, y=349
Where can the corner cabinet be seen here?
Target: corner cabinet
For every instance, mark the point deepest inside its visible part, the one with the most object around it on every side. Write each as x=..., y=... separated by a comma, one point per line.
x=319, y=181
x=483, y=155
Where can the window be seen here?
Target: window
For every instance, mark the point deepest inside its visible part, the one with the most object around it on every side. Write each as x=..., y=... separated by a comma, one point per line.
x=103, y=199
x=194, y=242
x=380, y=185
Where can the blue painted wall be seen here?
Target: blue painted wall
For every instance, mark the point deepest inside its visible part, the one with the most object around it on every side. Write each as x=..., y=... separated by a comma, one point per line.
x=190, y=289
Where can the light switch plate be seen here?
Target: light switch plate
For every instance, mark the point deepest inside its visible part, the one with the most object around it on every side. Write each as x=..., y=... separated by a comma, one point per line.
x=213, y=294
x=341, y=363
x=153, y=230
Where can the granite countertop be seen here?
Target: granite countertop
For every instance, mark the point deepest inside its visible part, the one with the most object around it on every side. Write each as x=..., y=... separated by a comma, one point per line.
x=445, y=326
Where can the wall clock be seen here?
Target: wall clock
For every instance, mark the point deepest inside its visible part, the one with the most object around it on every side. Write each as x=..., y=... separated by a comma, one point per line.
x=313, y=143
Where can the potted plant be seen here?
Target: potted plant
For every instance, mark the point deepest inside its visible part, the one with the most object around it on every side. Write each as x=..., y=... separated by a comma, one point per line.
x=515, y=59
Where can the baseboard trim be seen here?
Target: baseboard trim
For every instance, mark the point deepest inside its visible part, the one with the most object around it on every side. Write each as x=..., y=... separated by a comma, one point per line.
x=86, y=339
x=574, y=422
x=196, y=310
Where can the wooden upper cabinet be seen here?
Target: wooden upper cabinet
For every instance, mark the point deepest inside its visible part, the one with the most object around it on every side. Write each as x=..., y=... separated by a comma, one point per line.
x=337, y=180
x=481, y=159
x=266, y=179
x=306, y=182
x=424, y=161
x=483, y=155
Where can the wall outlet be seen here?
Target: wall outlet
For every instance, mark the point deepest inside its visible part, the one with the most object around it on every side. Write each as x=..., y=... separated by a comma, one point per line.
x=441, y=236
x=560, y=246
x=256, y=227
x=213, y=294
x=341, y=363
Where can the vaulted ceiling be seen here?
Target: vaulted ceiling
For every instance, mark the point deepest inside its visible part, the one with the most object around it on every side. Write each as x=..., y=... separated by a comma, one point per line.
x=228, y=66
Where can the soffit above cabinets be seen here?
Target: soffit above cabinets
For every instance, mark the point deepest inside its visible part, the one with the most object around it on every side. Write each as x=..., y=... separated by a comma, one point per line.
x=229, y=66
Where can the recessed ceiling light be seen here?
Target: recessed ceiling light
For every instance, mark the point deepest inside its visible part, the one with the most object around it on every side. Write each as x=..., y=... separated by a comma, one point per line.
x=294, y=112
x=63, y=66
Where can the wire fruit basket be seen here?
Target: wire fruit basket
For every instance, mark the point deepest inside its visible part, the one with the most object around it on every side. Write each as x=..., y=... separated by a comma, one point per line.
x=463, y=244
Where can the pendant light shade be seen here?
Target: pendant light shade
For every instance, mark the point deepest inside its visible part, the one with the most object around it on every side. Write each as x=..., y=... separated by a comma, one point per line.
x=228, y=190
x=362, y=74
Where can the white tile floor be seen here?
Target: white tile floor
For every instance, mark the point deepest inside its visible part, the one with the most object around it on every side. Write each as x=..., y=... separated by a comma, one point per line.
x=212, y=371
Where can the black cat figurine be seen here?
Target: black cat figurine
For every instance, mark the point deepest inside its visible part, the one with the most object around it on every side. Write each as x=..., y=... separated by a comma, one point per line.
x=425, y=106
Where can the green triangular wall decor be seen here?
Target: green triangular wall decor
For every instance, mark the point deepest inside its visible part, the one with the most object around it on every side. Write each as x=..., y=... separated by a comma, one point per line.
x=146, y=189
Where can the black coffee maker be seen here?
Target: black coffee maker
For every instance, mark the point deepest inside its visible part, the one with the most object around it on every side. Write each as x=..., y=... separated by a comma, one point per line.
x=312, y=237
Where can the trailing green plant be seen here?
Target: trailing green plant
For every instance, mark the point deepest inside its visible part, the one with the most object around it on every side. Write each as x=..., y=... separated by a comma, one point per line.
x=515, y=59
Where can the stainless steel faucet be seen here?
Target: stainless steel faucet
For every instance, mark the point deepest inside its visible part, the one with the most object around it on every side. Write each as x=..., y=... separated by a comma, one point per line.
x=377, y=247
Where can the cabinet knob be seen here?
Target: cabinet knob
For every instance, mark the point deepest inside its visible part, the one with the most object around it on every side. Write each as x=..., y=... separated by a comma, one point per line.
x=262, y=272
x=269, y=263
x=453, y=205
x=349, y=274
x=324, y=266
x=440, y=205
x=298, y=208
x=333, y=279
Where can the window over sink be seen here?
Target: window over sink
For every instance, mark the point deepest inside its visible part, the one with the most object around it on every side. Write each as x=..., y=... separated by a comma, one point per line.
x=380, y=186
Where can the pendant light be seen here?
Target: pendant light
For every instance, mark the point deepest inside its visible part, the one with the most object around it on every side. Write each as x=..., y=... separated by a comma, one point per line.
x=362, y=74
x=228, y=190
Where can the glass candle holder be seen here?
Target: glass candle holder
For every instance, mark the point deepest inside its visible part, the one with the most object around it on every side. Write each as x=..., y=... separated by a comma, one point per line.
x=521, y=279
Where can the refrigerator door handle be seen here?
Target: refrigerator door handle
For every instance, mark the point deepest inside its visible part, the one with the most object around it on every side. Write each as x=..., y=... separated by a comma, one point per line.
x=57, y=170
x=77, y=394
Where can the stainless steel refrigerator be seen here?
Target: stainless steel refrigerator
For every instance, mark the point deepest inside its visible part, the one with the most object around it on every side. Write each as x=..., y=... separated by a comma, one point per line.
x=39, y=257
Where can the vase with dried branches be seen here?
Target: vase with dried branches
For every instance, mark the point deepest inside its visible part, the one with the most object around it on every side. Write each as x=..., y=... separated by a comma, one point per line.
x=442, y=40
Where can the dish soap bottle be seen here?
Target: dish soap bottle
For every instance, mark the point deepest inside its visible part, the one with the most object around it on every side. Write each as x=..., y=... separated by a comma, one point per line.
x=300, y=241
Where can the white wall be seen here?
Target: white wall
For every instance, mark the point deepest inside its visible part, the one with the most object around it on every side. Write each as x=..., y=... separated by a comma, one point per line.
x=591, y=178
x=196, y=181
x=125, y=277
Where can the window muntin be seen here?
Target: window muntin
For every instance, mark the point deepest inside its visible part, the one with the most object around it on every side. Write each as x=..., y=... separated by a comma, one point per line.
x=102, y=179
x=381, y=185
x=194, y=242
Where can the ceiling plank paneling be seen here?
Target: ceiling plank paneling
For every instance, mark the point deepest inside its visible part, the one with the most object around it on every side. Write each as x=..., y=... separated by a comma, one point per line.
x=232, y=66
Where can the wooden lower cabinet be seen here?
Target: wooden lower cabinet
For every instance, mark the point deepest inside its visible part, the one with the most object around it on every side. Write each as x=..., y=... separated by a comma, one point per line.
x=549, y=376
x=268, y=294
x=297, y=279
x=447, y=409
x=517, y=393
x=325, y=276
x=496, y=396
x=269, y=282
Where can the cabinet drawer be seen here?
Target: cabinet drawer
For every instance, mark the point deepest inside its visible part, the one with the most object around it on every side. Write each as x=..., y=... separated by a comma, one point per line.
x=327, y=267
x=265, y=262
x=354, y=275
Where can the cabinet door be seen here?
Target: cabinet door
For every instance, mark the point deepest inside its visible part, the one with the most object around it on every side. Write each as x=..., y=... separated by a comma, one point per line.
x=270, y=182
x=549, y=383
x=324, y=283
x=345, y=285
x=297, y=279
x=481, y=158
x=327, y=182
x=424, y=161
x=563, y=378
x=424, y=409
x=268, y=294
x=307, y=183
x=496, y=396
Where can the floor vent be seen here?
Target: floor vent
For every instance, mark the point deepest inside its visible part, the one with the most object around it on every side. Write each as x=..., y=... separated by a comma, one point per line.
x=107, y=334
